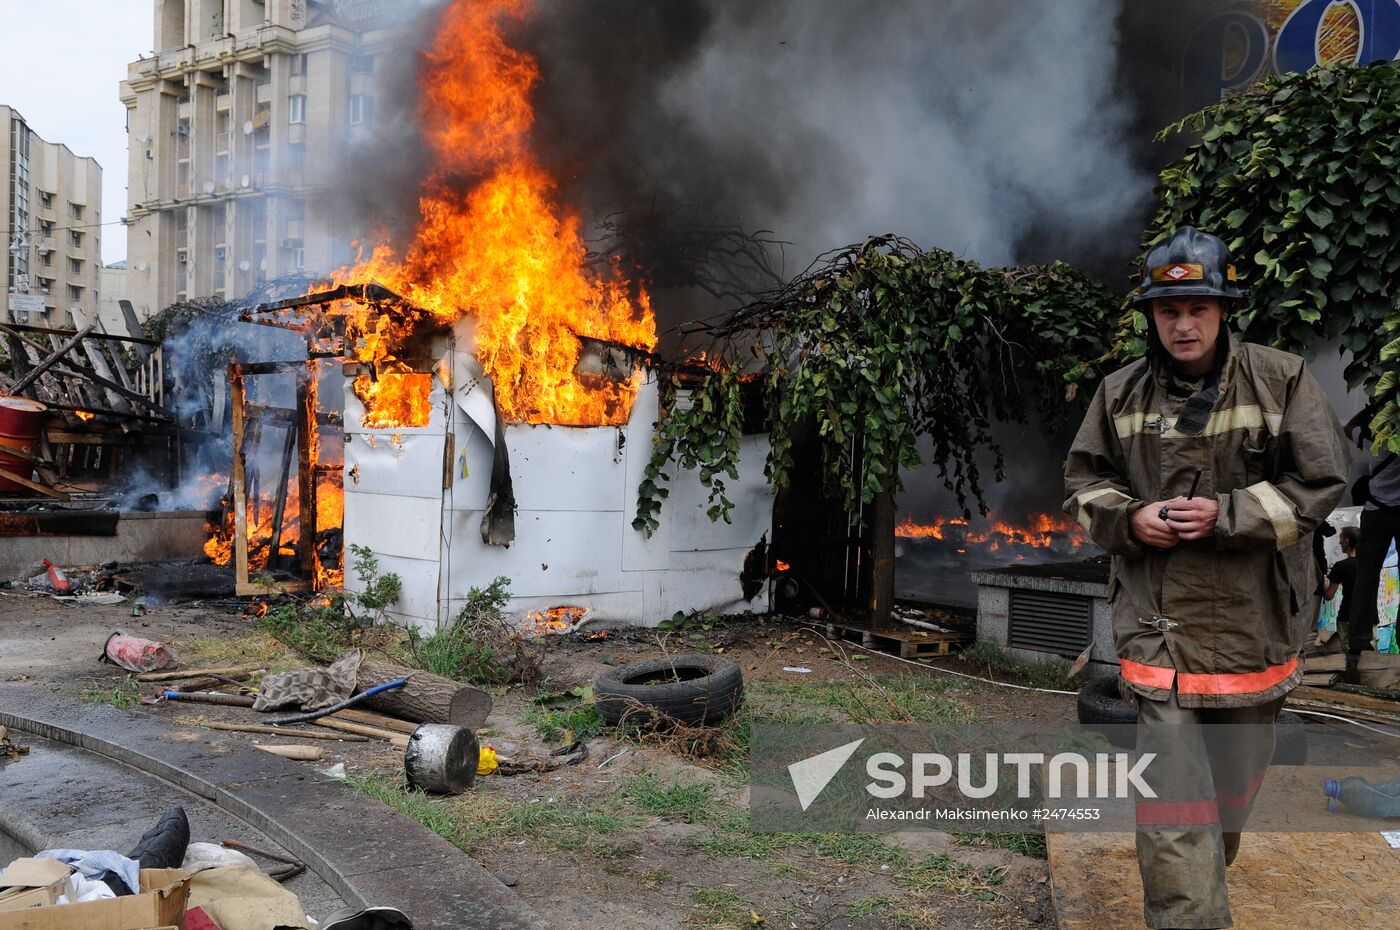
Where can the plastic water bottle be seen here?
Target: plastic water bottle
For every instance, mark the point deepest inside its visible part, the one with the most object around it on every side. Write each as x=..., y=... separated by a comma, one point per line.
x=1361, y=797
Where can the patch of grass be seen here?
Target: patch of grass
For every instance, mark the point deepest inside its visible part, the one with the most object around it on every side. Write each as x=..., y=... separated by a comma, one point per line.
x=994, y=662
x=413, y=803
x=856, y=848
x=1027, y=844
x=895, y=700
x=872, y=905
x=944, y=875
x=473, y=821
x=654, y=878
x=693, y=803
x=717, y=907
x=126, y=693
x=566, y=724
x=319, y=629
x=214, y=651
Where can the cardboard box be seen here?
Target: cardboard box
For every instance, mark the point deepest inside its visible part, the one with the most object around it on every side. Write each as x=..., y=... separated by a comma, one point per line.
x=161, y=903
x=31, y=883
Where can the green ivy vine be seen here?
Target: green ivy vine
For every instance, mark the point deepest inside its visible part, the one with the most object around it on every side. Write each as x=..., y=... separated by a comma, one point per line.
x=880, y=344
x=1299, y=176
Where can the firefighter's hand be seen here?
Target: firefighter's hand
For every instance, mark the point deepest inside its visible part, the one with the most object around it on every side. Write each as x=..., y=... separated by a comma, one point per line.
x=1149, y=528
x=1193, y=518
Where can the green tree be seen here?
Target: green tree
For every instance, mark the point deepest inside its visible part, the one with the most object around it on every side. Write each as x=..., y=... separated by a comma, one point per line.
x=1299, y=177
x=882, y=344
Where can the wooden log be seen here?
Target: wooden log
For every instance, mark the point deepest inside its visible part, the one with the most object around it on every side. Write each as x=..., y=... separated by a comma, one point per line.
x=425, y=698
x=295, y=753
x=277, y=731
x=376, y=720
x=201, y=672
x=397, y=739
x=216, y=697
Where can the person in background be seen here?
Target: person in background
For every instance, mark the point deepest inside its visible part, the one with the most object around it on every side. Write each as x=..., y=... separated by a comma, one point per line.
x=1379, y=497
x=1343, y=575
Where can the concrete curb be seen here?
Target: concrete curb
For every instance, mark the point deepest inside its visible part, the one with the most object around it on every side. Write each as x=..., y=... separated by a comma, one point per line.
x=365, y=850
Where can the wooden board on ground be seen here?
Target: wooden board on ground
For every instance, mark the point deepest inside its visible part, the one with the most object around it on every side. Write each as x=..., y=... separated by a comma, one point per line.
x=907, y=643
x=1320, y=881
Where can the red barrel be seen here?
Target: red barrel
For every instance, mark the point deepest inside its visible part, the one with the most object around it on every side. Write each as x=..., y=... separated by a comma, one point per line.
x=20, y=421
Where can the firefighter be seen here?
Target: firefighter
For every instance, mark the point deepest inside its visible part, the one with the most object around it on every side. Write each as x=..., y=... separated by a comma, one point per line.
x=1203, y=469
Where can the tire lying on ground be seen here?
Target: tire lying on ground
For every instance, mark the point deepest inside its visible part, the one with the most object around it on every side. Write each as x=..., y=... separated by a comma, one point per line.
x=696, y=690
x=1100, y=703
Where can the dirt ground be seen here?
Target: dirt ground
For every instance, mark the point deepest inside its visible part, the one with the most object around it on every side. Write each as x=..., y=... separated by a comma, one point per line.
x=643, y=834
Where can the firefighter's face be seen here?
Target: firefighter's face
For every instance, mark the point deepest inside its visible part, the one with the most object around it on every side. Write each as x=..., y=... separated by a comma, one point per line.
x=1188, y=328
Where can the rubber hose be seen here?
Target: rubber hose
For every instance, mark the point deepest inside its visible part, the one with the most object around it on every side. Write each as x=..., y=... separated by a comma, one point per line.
x=348, y=702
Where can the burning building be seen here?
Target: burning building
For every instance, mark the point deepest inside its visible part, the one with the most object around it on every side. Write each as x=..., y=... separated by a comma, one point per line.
x=494, y=415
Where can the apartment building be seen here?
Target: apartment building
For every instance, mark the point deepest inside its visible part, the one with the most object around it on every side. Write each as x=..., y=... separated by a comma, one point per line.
x=234, y=127
x=51, y=202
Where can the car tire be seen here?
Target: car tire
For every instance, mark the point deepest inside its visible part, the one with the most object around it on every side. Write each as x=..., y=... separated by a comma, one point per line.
x=709, y=690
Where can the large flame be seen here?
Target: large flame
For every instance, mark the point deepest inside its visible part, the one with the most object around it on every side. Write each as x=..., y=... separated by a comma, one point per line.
x=502, y=249
x=1040, y=531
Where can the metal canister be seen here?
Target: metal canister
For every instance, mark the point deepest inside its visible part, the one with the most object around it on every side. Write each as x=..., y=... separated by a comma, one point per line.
x=441, y=758
x=20, y=423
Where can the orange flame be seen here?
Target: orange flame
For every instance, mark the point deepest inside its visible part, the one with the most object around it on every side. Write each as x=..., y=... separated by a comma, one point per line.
x=394, y=399
x=84, y=415
x=553, y=620
x=1040, y=531
x=503, y=252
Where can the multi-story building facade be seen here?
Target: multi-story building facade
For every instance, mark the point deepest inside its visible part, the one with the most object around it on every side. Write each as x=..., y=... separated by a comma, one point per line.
x=234, y=128
x=51, y=204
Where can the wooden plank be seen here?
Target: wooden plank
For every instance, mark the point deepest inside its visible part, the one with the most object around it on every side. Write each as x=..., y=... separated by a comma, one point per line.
x=33, y=485
x=306, y=472
x=1321, y=881
x=240, y=489
x=48, y=363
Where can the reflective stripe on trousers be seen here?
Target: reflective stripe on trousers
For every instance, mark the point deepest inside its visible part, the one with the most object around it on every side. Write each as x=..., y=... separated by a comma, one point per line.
x=1205, y=777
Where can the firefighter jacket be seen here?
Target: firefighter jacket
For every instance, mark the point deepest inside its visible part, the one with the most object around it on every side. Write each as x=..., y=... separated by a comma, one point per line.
x=1222, y=618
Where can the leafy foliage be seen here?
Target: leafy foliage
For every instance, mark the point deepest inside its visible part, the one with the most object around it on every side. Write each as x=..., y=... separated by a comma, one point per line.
x=880, y=344
x=323, y=627
x=1298, y=176
x=480, y=644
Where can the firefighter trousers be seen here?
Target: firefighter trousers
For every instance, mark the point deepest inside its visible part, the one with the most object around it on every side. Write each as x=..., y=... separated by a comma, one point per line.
x=1209, y=765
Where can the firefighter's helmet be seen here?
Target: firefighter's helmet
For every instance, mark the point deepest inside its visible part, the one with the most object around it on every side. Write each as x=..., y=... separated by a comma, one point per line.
x=1189, y=264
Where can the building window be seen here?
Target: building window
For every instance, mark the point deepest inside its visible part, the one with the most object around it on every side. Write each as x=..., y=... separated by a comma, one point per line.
x=47, y=258
x=46, y=228
x=361, y=64
x=359, y=109
x=46, y=200
x=299, y=65
x=75, y=293
x=75, y=265
x=298, y=108
x=77, y=238
x=76, y=209
x=299, y=258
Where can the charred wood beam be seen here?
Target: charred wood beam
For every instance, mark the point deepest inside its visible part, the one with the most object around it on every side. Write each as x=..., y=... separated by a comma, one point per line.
x=49, y=331
x=63, y=349
x=266, y=368
x=368, y=293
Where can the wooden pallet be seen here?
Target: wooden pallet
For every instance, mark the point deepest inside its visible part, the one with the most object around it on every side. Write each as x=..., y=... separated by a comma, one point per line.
x=907, y=643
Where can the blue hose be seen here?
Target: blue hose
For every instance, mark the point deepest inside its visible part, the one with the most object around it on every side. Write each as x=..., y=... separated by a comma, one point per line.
x=348, y=702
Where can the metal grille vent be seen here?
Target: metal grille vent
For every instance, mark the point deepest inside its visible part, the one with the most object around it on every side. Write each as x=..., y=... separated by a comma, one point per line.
x=1049, y=622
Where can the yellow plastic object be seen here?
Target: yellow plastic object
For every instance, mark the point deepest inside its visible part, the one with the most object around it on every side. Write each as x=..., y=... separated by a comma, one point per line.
x=486, y=761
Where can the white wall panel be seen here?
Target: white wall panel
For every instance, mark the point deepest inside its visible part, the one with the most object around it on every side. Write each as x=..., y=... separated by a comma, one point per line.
x=555, y=554
x=409, y=465
x=752, y=516
x=566, y=468
x=408, y=527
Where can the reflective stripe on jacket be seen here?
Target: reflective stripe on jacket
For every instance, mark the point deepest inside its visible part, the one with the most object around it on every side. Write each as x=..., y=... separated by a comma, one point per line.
x=1222, y=618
